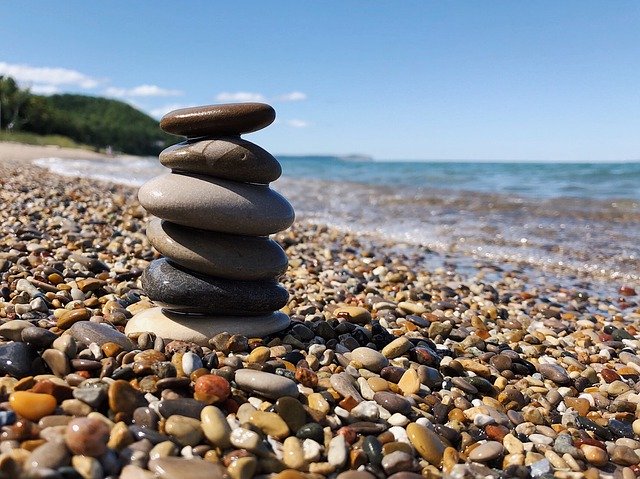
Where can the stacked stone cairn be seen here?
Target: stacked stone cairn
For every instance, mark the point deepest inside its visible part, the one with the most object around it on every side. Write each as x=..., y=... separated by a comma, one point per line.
x=214, y=214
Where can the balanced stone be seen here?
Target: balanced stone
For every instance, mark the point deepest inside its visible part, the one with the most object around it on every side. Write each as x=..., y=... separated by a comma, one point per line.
x=219, y=120
x=230, y=158
x=199, y=329
x=216, y=205
x=218, y=254
x=178, y=290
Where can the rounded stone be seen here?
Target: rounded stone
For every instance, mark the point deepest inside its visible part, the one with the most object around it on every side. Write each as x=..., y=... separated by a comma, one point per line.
x=179, y=290
x=216, y=205
x=32, y=406
x=210, y=388
x=555, y=373
x=270, y=423
x=218, y=254
x=370, y=359
x=486, y=452
x=268, y=385
x=426, y=442
x=200, y=329
x=87, y=436
x=175, y=467
x=87, y=332
x=215, y=427
x=185, y=430
x=229, y=119
x=392, y=402
x=229, y=158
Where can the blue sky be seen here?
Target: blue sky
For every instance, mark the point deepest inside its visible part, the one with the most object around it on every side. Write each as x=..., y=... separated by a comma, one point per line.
x=556, y=81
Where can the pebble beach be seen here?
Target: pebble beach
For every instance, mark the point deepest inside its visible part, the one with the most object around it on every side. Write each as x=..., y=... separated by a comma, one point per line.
x=390, y=368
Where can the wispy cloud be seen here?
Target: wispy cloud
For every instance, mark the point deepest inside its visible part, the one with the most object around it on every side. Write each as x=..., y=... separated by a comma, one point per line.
x=160, y=111
x=245, y=96
x=141, y=91
x=297, y=123
x=45, y=89
x=291, y=96
x=48, y=77
x=240, y=96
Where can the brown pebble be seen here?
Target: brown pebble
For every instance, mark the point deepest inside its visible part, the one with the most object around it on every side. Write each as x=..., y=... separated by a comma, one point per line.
x=87, y=436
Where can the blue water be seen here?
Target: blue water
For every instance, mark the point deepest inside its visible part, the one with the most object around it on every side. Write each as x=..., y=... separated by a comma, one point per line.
x=580, y=219
x=542, y=180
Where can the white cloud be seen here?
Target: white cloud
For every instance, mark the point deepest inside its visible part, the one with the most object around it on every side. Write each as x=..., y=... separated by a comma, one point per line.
x=141, y=90
x=296, y=123
x=245, y=96
x=160, y=111
x=239, y=96
x=292, y=96
x=47, y=76
x=44, y=89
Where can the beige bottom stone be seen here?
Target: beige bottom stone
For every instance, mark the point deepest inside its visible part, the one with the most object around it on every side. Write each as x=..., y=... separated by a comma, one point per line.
x=199, y=329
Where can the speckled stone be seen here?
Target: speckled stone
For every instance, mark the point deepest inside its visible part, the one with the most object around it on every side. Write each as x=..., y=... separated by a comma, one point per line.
x=199, y=329
x=231, y=119
x=178, y=290
x=216, y=204
x=229, y=158
x=222, y=255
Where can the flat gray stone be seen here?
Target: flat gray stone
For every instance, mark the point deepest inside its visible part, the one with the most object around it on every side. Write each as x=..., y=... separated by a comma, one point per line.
x=179, y=290
x=229, y=158
x=216, y=205
x=230, y=119
x=218, y=254
x=266, y=384
x=199, y=329
x=87, y=332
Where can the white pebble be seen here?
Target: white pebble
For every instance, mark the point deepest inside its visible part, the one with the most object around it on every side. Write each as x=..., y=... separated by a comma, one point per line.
x=366, y=411
x=483, y=420
x=337, y=453
x=190, y=362
x=398, y=419
x=312, y=450
x=341, y=412
x=399, y=434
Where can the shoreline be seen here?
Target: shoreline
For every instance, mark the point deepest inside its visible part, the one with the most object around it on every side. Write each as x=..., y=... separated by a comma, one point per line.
x=399, y=369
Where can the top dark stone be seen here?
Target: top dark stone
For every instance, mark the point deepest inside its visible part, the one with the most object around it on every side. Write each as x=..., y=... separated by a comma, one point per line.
x=230, y=119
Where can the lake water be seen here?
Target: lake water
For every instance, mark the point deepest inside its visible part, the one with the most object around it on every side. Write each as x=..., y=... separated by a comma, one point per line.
x=582, y=219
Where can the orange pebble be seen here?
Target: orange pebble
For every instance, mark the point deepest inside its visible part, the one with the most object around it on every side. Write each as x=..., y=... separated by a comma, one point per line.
x=32, y=406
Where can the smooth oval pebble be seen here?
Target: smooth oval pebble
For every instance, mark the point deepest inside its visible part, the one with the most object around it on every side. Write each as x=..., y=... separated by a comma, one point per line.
x=555, y=373
x=215, y=427
x=87, y=436
x=180, y=290
x=216, y=205
x=268, y=385
x=87, y=332
x=218, y=254
x=178, y=468
x=486, y=452
x=229, y=158
x=32, y=406
x=229, y=119
x=211, y=388
x=426, y=442
x=370, y=359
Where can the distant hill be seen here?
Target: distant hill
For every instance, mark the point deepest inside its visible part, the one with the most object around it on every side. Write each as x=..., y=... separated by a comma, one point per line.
x=98, y=122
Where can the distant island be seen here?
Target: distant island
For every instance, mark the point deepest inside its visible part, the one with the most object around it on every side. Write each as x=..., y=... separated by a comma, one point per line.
x=77, y=120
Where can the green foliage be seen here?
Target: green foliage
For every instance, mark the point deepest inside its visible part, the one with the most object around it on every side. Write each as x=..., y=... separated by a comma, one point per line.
x=98, y=122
